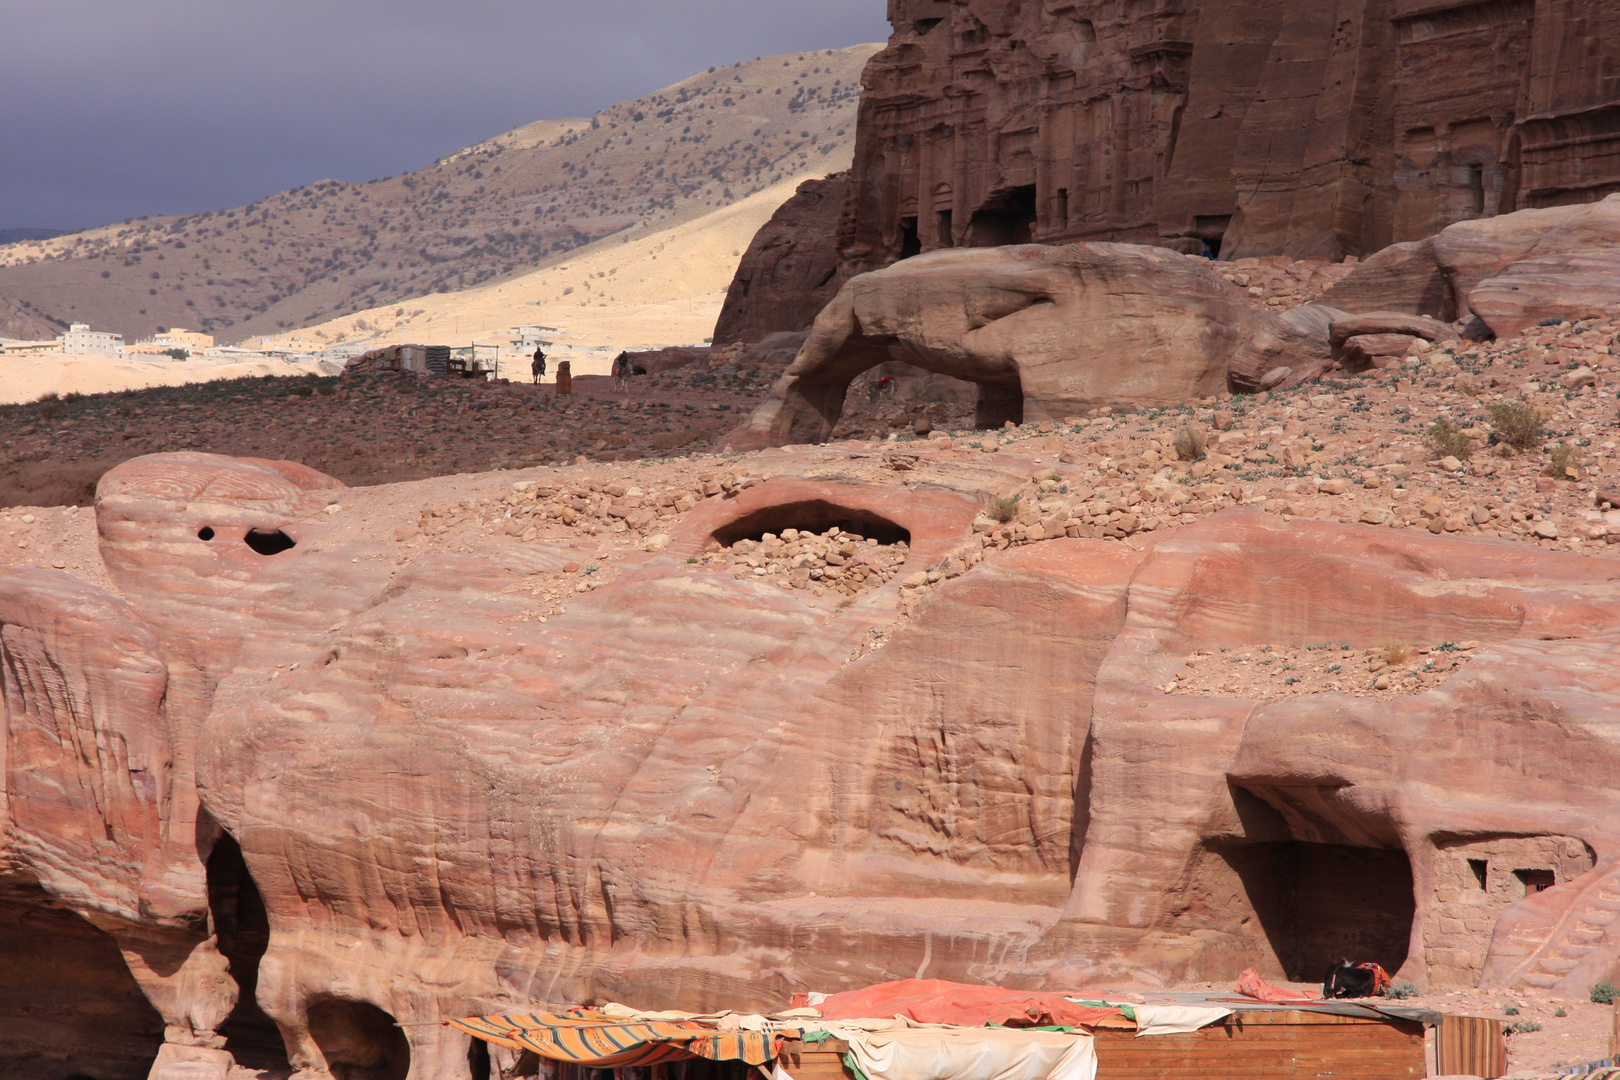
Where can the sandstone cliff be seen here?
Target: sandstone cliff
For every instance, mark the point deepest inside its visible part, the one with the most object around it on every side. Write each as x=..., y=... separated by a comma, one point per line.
x=386, y=785
x=790, y=271
x=1322, y=127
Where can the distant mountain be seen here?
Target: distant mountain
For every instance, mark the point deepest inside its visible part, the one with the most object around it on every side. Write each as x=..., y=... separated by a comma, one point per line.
x=511, y=203
x=17, y=236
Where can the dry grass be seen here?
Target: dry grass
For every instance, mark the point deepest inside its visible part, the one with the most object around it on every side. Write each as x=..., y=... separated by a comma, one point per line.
x=1518, y=425
x=1447, y=440
x=1565, y=462
x=1396, y=653
x=1005, y=509
x=1191, y=444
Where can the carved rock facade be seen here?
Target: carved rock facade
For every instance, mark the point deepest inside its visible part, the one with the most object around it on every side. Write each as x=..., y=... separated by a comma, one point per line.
x=1311, y=128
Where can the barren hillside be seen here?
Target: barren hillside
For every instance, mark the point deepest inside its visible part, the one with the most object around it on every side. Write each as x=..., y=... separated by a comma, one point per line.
x=507, y=204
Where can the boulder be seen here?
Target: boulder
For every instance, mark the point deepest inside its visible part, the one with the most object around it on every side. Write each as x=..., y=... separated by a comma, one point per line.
x=1286, y=349
x=1472, y=252
x=1366, y=352
x=1044, y=332
x=1563, y=287
x=1401, y=278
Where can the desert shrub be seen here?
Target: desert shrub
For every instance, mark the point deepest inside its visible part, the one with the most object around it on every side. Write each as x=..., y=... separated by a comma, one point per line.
x=1521, y=1027
x=1604, y=993
x=1560, y=1011
x=50, y=410
x=304, y=391
x=72, y=395
x=1518, y=425
x=1401, y=990
x=1005, y=509
x=1566, y=461
x=1396, y=653
x=177, y=354
x=1447, y=440
x=1511, y=1010
x=1190, y=444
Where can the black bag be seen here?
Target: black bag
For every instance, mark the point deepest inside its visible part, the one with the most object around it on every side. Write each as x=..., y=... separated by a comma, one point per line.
x=1347, y=980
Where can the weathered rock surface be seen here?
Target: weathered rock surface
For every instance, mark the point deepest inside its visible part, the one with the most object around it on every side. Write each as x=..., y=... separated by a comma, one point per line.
x=1044, y=331
x=790, y=270
x=705, y=782
x=1511, y=271
x=1308, y=128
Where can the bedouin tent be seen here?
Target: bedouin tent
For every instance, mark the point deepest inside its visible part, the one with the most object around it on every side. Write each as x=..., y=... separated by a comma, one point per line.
x=604, y=1043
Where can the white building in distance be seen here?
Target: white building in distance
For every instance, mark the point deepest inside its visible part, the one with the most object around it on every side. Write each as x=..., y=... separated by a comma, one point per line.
x=80, y=340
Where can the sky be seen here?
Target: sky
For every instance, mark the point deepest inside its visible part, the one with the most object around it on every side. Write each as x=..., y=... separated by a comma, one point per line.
x=112, y=109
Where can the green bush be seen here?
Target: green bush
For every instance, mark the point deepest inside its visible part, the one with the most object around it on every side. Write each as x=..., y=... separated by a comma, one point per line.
x=1401, y=990
x=1604, y=993
x=1518, y=425
x=1521, y=1027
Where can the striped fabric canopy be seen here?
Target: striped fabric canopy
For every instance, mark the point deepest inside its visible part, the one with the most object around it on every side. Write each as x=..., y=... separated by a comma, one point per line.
x=605, y=1044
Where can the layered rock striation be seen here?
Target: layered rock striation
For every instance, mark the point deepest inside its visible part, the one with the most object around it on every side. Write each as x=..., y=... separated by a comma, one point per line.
x=371, y=787
x=1320, y=128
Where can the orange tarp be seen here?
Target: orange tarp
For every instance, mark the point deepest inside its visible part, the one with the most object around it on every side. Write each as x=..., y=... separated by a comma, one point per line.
x=936, y=1001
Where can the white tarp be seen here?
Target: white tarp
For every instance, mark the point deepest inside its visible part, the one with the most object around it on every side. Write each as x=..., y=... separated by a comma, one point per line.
x=938, y=1053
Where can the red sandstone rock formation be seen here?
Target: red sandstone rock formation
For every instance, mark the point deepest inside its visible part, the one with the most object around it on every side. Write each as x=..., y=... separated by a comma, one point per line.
x=1044, y=331
x=703, y=789
x=790, y=271
x=1510, y=271
x=1321, y=127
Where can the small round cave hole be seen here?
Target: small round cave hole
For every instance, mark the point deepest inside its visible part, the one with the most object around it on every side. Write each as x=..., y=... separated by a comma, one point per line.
x=269, y=542
x=205, y=533
x=812, y=516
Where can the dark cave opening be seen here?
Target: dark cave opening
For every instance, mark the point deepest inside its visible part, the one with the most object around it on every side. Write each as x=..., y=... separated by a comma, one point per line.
x=813, y=515
x=68, y=1003
x=1008, y=217
x=1318, y=903
x=243, y=929
x=269, y=542
x=359, y=1040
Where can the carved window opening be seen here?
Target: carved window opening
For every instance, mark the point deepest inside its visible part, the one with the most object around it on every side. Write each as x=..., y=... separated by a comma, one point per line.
x=243, y=928
x=359, y=1040
x=269, y=542
x=1534, y=881
x=813, y=516
x=944, y=229
x=1007, y=217
x=1481, y=869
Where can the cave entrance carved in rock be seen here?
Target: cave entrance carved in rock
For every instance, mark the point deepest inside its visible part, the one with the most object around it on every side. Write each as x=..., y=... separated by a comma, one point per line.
x=243, y=929
x=68, y=1003
x=815, y=516
x=1007, y=217
x=1319, y=903
x=359, y=1040
x=999, y=394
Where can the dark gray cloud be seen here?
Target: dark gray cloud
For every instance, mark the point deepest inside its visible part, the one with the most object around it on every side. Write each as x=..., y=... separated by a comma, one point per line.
x=116, y=110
